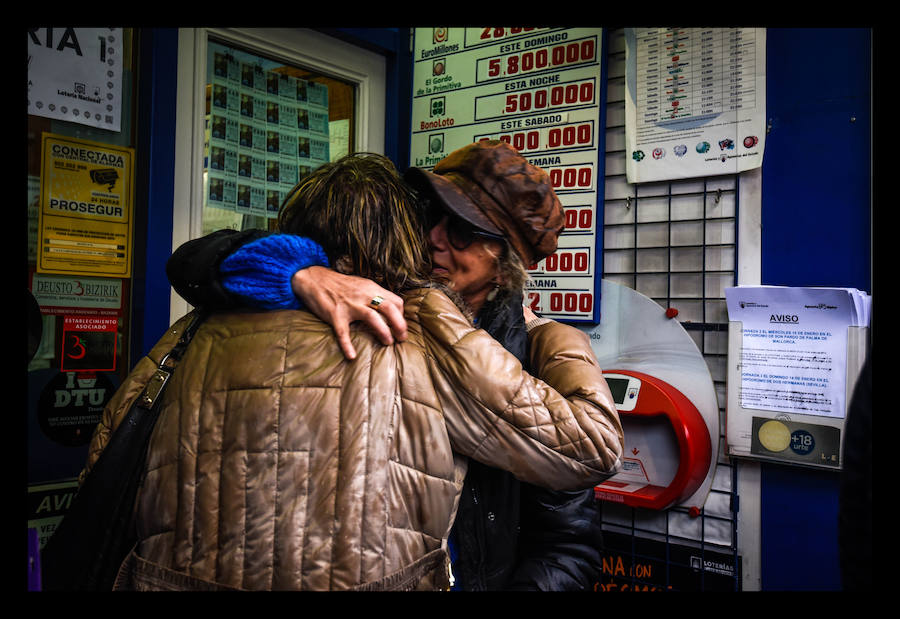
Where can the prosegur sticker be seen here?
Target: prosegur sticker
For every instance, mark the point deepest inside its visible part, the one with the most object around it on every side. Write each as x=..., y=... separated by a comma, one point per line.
x=85, y=216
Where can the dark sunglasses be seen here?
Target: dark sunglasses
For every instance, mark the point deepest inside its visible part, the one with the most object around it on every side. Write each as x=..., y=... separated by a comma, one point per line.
x=460, y=233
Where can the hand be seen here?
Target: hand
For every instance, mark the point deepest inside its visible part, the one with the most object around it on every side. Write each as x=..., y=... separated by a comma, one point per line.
x=340, y=300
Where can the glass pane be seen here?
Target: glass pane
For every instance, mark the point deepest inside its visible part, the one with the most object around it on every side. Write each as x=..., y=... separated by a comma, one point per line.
x=653, y=235
x=689, y=310
x=61, y=295
x=268, y=124
x=618, y=237
x=653, y=260
x=687, y=207
x=653, y=209
x=686, y=285
x=618, y=261
x=687, y=258
x=79, y=134
x=653, y=286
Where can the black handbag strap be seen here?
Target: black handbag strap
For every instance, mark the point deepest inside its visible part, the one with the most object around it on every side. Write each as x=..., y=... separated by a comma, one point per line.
x=96, y=533
x=156, y=385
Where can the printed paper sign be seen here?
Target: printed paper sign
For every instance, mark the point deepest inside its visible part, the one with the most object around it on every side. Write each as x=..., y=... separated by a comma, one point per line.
x=86, y=209
x=695, y=102
x=89, y=344
x=794, y=351
x=61, y=295
x=75, y=74
x=47, y=505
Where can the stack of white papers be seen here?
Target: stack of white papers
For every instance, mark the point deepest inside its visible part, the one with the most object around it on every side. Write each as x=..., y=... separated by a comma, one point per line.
x=863, y=304
x=794, y=345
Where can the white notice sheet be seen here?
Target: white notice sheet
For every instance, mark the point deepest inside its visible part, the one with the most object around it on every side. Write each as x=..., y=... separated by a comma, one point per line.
x=794, y=352
x=695, y=102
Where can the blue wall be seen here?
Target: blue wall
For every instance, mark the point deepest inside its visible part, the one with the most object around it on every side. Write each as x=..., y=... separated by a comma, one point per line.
x=816, y=231
x=817, y=164
x=155, y=187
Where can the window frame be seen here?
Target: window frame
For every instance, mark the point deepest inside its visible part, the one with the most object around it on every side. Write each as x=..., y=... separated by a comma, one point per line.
x=301, y=47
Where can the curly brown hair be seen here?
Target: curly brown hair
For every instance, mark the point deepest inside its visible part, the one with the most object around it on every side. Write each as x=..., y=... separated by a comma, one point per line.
x=365, y=218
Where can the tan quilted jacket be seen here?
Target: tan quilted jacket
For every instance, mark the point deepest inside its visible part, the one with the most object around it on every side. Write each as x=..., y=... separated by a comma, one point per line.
x=277, y=464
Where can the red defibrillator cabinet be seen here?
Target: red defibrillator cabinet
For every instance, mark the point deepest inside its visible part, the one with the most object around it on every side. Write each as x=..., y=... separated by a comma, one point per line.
x=666, y=399
x=668, y=450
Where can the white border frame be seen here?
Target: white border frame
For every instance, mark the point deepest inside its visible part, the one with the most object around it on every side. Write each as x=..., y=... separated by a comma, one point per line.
x=301, y=47
x=749, y=273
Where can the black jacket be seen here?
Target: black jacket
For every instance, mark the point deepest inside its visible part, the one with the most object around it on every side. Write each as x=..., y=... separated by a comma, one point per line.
x=509, y=535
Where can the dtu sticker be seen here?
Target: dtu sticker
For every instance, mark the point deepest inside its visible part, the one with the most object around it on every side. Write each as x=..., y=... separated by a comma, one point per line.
x=70, y=406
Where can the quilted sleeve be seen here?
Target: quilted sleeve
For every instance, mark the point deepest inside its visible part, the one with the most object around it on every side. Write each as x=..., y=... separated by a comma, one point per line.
x=558, y=429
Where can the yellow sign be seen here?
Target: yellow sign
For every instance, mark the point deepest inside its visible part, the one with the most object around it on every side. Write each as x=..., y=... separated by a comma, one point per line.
x=86, y=214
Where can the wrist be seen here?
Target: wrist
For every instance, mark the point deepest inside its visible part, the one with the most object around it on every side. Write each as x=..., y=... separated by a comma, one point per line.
x=303, y=279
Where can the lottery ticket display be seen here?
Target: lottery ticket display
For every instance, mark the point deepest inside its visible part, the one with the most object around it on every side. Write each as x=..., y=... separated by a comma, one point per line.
x=540, y=89
x=265, y=131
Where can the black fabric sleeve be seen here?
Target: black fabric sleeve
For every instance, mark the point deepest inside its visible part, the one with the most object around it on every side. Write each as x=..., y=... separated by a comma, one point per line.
x=193, y=269
x=560, y=541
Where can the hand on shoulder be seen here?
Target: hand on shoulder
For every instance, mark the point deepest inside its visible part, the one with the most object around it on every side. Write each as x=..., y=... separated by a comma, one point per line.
x=341, y=300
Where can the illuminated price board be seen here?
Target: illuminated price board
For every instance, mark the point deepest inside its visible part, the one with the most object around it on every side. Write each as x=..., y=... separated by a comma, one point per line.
x=554, y=57
x=541, y=91
x=535, y=100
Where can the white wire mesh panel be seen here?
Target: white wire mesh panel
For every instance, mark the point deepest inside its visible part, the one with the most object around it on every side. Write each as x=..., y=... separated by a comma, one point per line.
x=674, y=242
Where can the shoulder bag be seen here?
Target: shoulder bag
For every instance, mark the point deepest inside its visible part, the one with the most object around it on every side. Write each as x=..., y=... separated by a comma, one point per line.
x=97, y=532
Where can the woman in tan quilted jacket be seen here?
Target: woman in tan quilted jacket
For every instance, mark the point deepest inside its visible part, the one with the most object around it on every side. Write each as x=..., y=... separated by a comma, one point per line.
x=278, y=464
